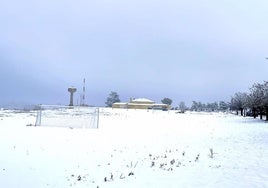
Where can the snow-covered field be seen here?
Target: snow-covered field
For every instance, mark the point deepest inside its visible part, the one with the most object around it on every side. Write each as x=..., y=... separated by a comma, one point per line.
x=135, y=148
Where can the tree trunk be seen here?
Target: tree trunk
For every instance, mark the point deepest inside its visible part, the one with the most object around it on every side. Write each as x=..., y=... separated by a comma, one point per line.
x=260, y=113
x=266, y=112
x=241, y=111
x=236, y=112
x=254, y=112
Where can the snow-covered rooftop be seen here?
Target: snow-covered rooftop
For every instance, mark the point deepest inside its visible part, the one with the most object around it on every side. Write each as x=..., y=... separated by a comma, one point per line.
x=143, y=100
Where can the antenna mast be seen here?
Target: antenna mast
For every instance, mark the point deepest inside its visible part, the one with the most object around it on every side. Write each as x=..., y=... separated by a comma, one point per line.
x=84, y=92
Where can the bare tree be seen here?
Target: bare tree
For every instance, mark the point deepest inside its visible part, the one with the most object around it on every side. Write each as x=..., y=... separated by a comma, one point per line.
x=182, y=107
x=255, y=99
x=239, y=102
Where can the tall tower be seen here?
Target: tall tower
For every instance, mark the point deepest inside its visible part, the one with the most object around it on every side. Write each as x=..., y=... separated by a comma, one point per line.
x=84, y=92
x=72, y=90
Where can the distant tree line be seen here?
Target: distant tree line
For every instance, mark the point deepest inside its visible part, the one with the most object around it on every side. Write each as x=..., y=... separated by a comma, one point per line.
x=204, y=107
x=209, y=107
x=253, y=103
x=196, y=106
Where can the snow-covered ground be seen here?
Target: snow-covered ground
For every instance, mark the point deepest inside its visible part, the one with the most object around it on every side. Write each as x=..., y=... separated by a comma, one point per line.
x=135, y=148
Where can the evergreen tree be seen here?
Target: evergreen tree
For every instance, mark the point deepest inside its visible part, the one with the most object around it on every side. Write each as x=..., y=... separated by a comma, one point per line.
x=112, y=98
x=167, y=101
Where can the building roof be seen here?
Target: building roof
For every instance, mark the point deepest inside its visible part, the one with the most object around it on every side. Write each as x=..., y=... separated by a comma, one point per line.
x=142, y=100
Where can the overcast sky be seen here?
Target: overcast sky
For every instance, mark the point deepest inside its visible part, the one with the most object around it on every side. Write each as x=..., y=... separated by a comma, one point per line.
x=203, y=50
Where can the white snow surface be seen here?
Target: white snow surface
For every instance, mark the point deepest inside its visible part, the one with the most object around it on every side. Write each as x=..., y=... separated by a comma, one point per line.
x=135, y=148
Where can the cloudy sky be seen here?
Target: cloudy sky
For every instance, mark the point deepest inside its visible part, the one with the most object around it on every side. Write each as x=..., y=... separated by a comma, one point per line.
x=186, y=50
